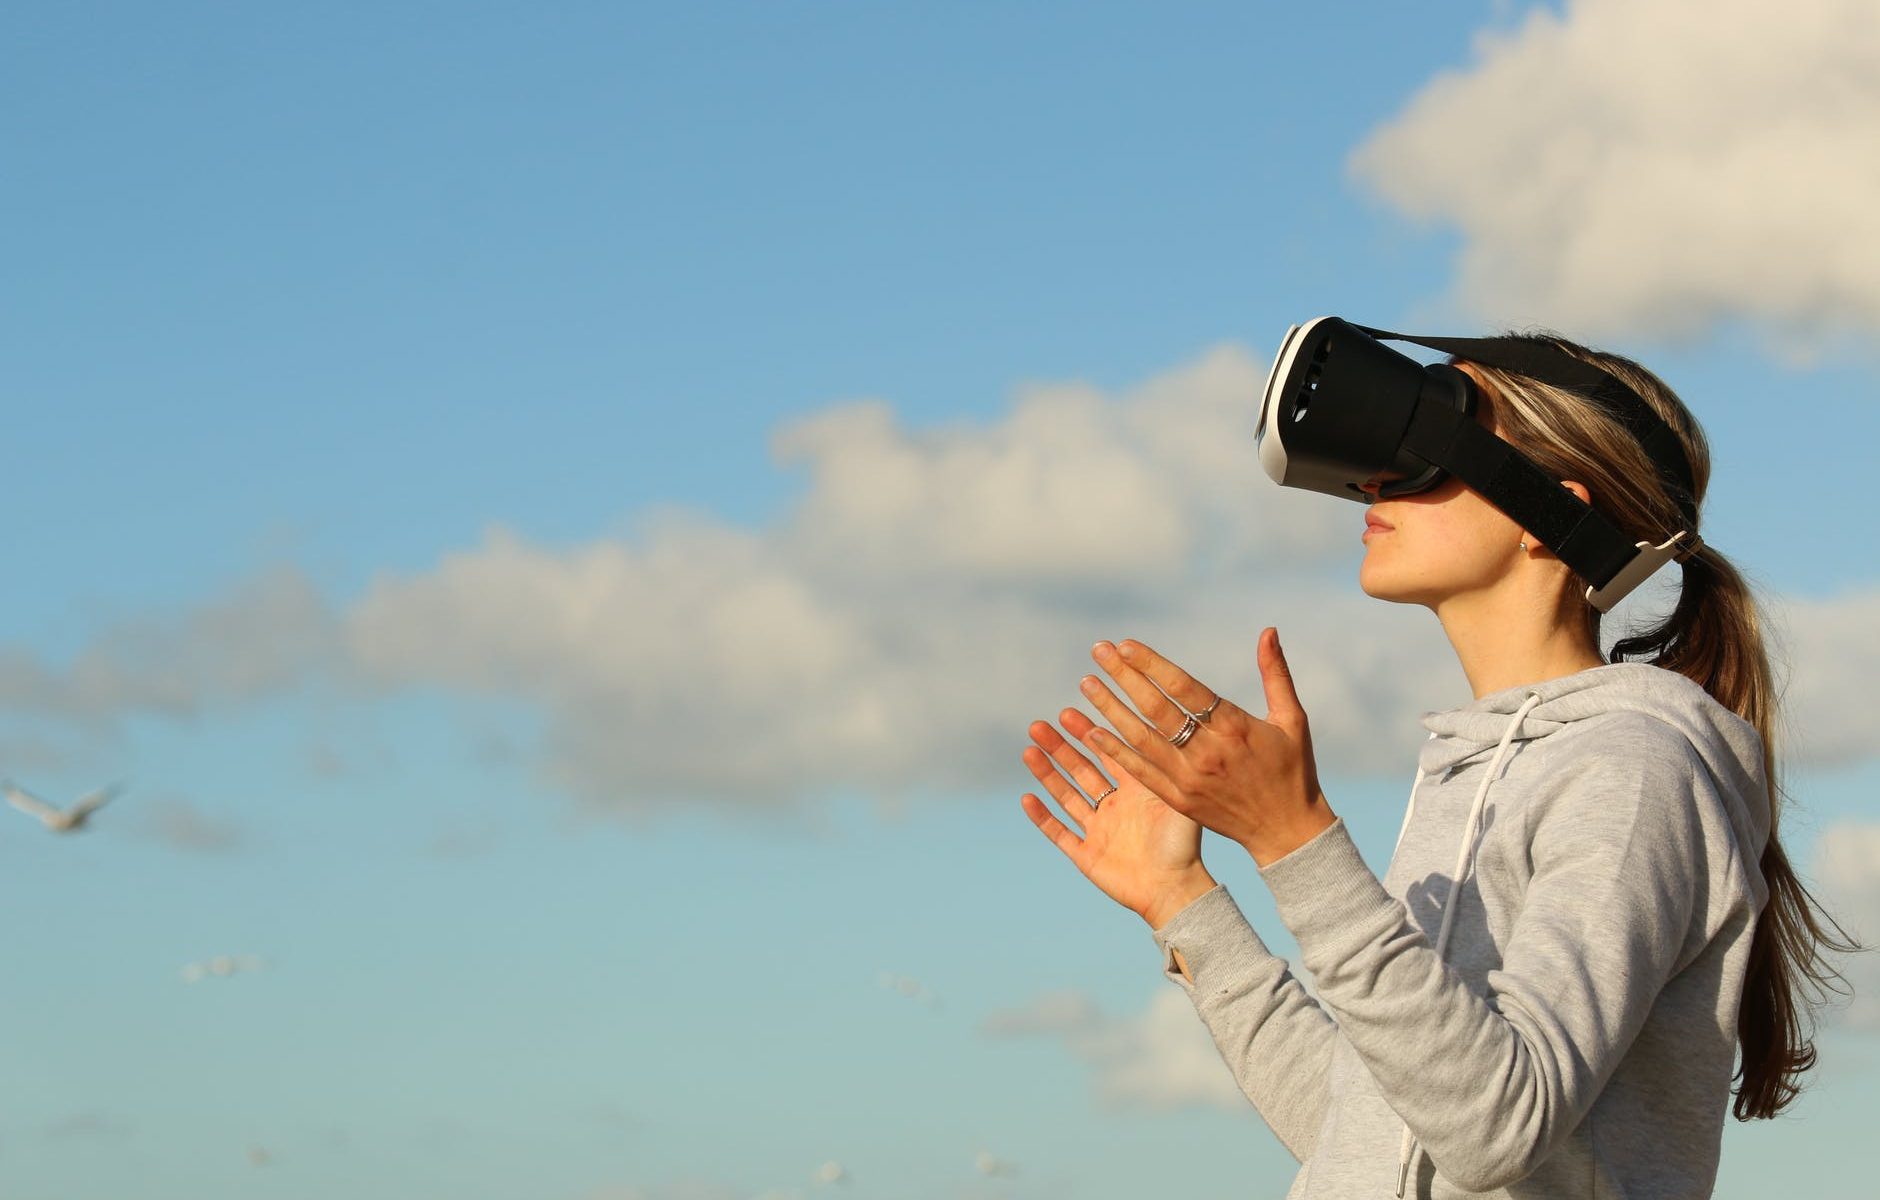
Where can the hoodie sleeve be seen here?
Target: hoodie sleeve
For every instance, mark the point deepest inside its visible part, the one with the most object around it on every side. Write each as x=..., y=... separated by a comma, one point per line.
x=1272, y=1034
x=1492, y=1083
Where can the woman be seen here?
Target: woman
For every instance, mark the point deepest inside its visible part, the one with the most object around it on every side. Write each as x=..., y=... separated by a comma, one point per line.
x=1626, y=916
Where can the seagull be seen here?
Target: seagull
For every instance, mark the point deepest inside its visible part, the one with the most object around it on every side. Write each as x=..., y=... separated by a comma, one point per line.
x=913, y=989
x=68, y=820
x=990, y=1164
x=222, y=966
x=831, y=1172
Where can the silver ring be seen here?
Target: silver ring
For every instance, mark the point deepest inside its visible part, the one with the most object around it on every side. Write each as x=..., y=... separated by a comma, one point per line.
x=1207, y=712
x=1187, y=731
x=1102, y=798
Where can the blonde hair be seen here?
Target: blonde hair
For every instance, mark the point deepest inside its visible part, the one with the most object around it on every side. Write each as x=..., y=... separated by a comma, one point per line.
x=1713, y=636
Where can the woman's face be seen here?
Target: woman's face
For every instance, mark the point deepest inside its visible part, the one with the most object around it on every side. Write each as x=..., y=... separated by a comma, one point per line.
x=1448, y=541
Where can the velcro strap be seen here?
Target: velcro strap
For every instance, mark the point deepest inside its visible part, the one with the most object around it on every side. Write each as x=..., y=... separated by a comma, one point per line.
x=1575, y=531
x=1550, y=364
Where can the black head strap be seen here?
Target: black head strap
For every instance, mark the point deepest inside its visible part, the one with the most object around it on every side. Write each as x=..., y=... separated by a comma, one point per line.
x=1539, y=359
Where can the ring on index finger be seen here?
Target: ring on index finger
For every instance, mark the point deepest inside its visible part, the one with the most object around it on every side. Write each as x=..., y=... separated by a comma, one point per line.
x=1207, y=712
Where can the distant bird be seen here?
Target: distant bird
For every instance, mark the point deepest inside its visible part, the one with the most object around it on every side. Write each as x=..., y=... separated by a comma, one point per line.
x=989, y=1164
x=221, y=966
x=831, y=1172
x=912, y=988
x=68, y=820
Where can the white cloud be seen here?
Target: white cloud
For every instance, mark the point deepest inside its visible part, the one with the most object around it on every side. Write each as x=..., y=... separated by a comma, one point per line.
x=1848, y=870
x=1160, y=1059
x=1071, y=488
x=272, y=632
x=862, y=646
x=30, y=754
x=932, y=592
x=88, y=1125
x=1833, y=657
x=1656, y=166
x=1063, y=1012
x=683, y=1189
x=177, y=822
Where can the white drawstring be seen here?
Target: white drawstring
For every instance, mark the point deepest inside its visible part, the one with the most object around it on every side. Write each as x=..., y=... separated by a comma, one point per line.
x=1465, y=863
x=1410, y=810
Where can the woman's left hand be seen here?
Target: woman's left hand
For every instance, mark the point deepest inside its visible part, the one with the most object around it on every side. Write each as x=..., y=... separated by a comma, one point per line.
x=1250, y=780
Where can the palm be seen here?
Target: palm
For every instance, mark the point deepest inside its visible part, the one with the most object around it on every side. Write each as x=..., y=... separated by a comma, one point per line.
x=1134, y=847
x=1134, y=842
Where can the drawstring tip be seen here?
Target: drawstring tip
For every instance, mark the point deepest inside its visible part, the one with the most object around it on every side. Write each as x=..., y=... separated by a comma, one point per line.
x=1406, y=1154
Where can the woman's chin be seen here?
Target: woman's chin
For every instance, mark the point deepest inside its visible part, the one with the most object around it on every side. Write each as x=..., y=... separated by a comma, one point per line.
x=1379, y=584
x=1374, y=581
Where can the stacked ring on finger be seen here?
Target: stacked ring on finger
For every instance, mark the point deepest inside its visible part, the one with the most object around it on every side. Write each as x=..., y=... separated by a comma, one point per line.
x=1100, y=799
x=1189, y=724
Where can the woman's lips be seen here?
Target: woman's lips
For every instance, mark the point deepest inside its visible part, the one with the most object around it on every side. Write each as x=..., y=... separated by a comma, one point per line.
x=1373, y=525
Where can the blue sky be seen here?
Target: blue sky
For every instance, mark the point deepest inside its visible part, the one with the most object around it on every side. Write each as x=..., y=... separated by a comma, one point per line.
x=507, y=488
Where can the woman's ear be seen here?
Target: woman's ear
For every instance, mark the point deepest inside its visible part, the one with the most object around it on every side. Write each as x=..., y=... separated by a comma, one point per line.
x=1572, y=485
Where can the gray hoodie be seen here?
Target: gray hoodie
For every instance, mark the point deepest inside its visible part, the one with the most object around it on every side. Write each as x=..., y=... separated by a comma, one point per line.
x=1568, y=1027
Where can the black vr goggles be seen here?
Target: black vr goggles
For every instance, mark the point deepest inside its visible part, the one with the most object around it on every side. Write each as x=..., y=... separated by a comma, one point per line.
x=1341, y=408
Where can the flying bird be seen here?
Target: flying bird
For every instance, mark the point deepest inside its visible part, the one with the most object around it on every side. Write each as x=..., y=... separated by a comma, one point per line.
x=831, y=1172
x=913, y=989
x=222, y=966
x=68, y=820
x=990, y=1164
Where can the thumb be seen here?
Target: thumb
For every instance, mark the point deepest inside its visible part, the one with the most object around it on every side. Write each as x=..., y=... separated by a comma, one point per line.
x=1282, y=702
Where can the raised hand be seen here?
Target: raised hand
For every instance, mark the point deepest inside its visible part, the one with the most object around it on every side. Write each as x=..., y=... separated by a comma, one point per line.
x=1140, y=852
x=1249, y=779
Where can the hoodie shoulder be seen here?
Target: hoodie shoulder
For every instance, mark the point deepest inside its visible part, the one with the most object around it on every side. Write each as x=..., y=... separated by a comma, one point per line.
x=1625, y=731
x=1620, y=751
x=1662, y=734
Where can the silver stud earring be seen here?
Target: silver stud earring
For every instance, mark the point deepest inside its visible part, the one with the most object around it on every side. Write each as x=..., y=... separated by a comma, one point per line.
x=1524, y=545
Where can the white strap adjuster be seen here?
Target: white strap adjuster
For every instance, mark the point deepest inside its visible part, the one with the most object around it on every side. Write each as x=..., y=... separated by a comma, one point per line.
x=1643, y=566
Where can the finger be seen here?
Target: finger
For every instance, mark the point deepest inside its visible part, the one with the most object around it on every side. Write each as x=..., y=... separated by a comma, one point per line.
x=1079, y=726
x=1076, y=808
x=1076, y=805
x=1062, y=838
x=1062, y=752
x=1129, y=762
x=1157, y=709
x=1182, y=687
x=1121, y=716
x=1282, y=699
x=1151, y=745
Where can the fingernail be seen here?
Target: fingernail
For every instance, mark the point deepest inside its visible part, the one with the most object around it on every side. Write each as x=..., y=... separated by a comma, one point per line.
x=1089, y=684
x=1102, y=650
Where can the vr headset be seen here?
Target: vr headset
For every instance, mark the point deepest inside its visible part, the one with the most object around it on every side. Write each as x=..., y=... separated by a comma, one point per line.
x=1341, y=408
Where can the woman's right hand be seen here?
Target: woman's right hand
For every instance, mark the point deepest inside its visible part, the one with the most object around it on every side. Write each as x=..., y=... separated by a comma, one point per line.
x=1140, y=852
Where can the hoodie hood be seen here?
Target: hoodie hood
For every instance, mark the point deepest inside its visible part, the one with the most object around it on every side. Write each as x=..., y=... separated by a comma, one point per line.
x=1729, y=746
